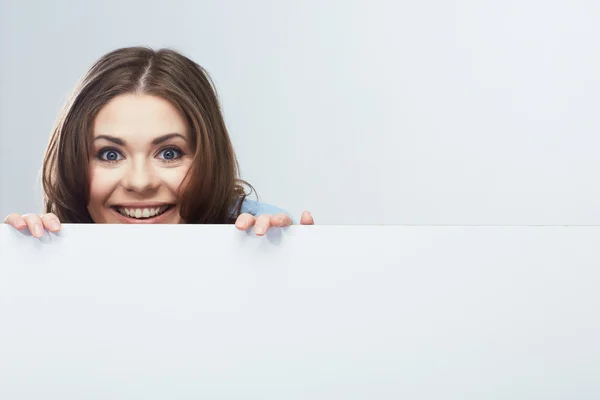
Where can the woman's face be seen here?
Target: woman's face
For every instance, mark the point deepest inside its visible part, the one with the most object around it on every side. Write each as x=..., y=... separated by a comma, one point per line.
x=141, y=151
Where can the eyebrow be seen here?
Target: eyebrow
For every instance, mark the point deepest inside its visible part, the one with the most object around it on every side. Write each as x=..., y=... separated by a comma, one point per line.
x=158, y=140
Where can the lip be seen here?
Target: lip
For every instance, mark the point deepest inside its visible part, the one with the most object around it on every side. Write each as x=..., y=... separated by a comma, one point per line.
x=140, y=205
x=152, y=220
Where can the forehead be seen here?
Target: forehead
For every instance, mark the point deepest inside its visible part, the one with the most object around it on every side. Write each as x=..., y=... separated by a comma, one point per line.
x=139, y=116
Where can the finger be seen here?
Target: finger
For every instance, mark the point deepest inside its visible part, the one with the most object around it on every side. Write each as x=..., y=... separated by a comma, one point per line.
x=281, y=220
x=34, y=223
x=263, y=223
x=245, y=221
x=51, y=222
x=16, y=221
x=307, y=219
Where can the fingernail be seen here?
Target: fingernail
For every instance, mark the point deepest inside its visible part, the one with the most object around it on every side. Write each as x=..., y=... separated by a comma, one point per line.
x=38, y=231
x=54, y=225
x=261, y=231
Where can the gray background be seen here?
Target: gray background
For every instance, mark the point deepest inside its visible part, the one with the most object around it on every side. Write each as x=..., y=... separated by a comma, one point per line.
x=364, y=112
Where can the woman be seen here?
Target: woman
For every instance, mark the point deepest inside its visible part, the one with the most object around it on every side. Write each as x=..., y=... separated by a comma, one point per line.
x=142, y=140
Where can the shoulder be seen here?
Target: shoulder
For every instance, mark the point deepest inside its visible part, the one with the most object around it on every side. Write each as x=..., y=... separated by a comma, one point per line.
x=257, y=208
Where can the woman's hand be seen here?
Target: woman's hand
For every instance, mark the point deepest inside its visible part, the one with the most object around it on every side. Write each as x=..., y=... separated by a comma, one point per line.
x=262, y=223
x=35, y=223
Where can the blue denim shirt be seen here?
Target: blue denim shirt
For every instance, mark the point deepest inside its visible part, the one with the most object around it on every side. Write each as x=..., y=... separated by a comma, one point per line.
x=256, y=208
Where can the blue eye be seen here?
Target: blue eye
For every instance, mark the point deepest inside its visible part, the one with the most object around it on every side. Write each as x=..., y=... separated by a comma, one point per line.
x=170, y=154
x=110, y=155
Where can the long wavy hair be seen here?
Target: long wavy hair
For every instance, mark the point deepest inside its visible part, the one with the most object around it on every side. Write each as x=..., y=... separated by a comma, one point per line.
x=212, y=191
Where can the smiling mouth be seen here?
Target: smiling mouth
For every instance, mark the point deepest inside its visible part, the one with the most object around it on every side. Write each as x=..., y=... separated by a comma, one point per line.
x=143, y=213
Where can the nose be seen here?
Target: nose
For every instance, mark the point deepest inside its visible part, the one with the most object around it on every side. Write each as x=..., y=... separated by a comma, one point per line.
x=140, y=177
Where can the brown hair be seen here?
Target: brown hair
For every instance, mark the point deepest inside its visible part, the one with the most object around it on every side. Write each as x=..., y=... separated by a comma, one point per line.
x=211, y=189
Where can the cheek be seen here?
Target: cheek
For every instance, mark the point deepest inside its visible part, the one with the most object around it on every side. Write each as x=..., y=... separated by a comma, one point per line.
x=173, y=177
x=102, y=184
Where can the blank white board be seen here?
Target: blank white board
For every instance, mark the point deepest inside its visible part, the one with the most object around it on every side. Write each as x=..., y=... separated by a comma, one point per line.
x=321, y=312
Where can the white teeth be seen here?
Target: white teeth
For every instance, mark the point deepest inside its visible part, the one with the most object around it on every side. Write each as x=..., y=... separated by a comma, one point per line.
x=142, y=212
